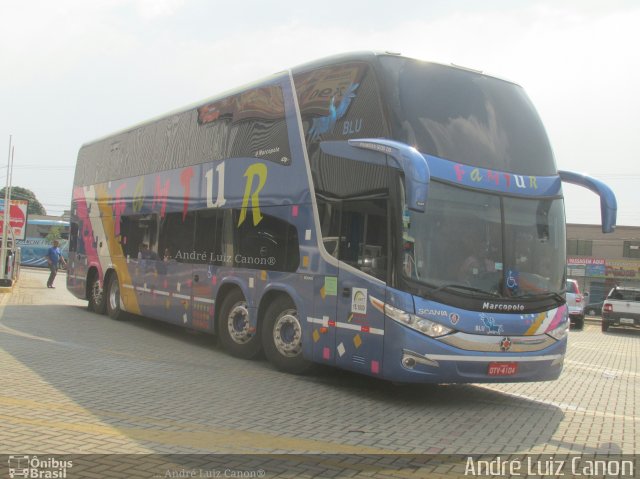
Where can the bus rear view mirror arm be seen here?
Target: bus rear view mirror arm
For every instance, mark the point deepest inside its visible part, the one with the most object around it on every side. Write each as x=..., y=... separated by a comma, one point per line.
x=408, y=159
x=608, y=203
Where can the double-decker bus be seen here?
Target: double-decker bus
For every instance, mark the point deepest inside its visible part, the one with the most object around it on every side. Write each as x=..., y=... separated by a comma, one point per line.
x=373, y=212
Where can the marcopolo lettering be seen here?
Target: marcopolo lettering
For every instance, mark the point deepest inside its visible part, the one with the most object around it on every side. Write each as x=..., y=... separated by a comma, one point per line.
x=502, y=307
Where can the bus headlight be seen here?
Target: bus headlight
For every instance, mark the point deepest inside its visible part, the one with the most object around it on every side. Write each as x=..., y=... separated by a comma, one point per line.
x=560, y=332
x=425, y=326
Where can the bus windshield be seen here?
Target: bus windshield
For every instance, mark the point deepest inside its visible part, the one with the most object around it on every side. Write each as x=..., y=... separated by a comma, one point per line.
x=500, y=246
x=467, y=117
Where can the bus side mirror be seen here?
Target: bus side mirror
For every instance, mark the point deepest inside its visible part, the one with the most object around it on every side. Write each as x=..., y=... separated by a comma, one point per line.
x=608, y=203
x=410, y=161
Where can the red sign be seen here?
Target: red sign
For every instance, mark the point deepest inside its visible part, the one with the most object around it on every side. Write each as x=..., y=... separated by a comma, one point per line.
x=17, y=218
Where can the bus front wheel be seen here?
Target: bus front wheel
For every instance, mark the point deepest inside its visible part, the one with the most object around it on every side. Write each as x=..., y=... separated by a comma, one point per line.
x=234, y=327
x=114, y=301
x=282, y=337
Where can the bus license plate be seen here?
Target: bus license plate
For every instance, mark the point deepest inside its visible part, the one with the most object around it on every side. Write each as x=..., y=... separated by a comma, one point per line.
x=626, y=320
x=503, y=369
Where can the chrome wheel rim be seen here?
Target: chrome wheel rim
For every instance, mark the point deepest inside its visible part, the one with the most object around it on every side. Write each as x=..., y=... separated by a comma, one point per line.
x=287, y=334
x=238, y=323
x=114, y=296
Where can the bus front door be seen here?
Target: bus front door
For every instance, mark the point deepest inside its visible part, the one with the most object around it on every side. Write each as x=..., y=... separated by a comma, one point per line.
x=361, y=286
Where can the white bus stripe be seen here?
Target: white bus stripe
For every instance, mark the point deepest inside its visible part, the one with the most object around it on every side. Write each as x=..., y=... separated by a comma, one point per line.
x=204, y=300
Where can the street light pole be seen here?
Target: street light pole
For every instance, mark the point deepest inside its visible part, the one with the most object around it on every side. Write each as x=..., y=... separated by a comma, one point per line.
x=5, y=223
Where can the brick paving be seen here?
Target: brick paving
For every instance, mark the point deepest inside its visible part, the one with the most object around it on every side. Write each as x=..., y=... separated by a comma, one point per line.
x=78, y=383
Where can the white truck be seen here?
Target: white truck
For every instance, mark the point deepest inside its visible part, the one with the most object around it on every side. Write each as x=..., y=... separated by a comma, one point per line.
x=621, y=308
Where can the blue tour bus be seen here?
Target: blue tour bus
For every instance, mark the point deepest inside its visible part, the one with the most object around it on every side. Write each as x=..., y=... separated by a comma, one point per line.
x=34, y=247
x=373, y=212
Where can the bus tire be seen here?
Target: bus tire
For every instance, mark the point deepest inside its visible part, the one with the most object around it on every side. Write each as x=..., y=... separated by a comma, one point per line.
x=234, y=327
x=282, y=337
x=97, y=298
x=113, y=299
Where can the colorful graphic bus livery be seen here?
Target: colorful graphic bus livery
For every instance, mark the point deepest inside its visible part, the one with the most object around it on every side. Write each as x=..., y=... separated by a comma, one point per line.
x=397, y=218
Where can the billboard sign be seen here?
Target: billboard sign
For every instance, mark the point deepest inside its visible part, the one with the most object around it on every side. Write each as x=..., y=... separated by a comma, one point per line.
x=17, y=218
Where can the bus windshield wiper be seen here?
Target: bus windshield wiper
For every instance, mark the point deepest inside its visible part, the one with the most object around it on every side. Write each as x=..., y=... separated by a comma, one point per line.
x=464, y=287
x=551, y=294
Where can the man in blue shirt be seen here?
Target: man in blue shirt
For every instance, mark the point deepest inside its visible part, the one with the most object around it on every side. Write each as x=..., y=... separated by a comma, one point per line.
x=54, y=258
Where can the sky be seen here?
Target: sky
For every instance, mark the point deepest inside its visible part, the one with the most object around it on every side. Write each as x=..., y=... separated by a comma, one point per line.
x=72, y=71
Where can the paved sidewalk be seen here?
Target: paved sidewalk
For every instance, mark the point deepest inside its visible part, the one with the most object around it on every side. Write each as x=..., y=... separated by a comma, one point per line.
x=76, y=382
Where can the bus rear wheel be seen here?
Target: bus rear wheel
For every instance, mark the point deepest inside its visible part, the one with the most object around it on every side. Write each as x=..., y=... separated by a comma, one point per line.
x=114, y=301
x=282, y=337
x=97, y=300
x=234, y=327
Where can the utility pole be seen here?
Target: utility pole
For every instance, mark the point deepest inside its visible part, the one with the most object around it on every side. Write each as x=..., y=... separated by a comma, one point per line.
x=7, y=216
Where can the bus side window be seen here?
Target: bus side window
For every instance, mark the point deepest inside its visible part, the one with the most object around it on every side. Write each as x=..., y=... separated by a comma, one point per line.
x=128, y=237
x=364, y=229
x=355, y=232
x=136, y=231
x=176, y=236
x=208, y=240
x=271, y=245
x=329, y=214
x=73, y=237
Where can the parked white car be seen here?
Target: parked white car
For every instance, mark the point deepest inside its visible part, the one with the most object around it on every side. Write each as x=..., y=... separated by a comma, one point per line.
x=621, y=308
x=575, y=303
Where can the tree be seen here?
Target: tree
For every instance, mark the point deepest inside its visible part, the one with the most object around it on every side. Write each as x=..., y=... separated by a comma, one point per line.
x=19, y=193
x=55, y=233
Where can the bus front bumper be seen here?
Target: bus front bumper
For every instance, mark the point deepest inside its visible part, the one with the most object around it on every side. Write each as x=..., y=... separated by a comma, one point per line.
x=420, y=359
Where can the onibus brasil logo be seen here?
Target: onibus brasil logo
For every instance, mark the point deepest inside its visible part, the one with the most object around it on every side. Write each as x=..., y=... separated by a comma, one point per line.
x=34, y=467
